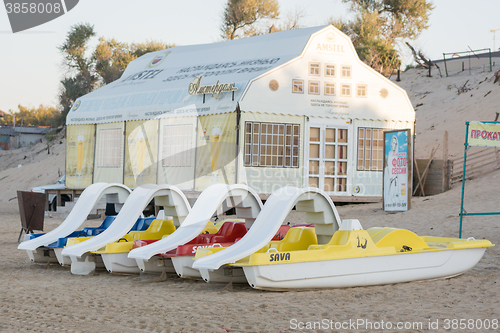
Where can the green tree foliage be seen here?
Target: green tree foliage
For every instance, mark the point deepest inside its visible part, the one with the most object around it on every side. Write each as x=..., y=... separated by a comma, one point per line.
x=380, y=26
x=89, y=69
x=41, y=116
x=244, y=18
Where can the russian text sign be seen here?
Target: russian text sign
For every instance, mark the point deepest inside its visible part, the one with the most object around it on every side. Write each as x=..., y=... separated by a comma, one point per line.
x=484, y=134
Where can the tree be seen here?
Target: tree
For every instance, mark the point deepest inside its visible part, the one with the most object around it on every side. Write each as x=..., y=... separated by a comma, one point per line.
x=246, y=16
x=41, y=116
x=87, y=70
x=82, y=78
x=400, y=19
x=381, y=25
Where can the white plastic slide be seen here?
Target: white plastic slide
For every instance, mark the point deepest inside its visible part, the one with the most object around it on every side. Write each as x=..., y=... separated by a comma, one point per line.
x=115, y=193
x=82, y=262
x=246, y=201
x=319, y=210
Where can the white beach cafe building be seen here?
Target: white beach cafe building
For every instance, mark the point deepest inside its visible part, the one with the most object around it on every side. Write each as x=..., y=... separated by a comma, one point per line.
x=289, y=108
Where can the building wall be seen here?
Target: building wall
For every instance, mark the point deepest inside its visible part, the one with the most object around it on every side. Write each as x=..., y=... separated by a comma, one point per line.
x=5, y=142
x=329, y=84
x=26, y=139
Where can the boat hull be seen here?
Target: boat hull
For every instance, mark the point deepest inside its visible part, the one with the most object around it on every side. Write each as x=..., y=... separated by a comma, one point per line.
x=363, y=271
x=63, y=260
x=120, y=263
x=225, y=274
x=184, y=267
x=155, y=264
x=86, y=264
x=41, y=255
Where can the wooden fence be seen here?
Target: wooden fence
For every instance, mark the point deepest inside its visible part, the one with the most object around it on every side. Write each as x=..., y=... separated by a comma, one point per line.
x=479, y=162
x=436, y=180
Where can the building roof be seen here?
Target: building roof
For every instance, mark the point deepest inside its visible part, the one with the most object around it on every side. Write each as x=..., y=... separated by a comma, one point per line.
x=157, y=83
x=31, y=130
x=256, y=73
x=7, y=130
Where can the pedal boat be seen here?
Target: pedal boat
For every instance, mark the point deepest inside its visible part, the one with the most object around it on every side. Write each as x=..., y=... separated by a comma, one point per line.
x=215, y=232
x=230, y=232
x=115, y=255
x=51, y=252
x=354, y=258
x=212, y=201
x=140, y=226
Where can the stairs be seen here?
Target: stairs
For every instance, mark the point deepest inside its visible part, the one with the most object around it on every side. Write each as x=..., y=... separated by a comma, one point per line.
x=63, y=211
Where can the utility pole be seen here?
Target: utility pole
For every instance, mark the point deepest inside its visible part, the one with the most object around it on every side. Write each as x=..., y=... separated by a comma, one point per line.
x=494, y=40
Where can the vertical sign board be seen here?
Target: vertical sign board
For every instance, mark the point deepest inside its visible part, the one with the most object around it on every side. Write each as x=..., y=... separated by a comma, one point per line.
x=397, y=170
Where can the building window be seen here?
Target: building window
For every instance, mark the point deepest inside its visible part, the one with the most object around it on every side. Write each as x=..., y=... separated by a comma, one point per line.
x=361, y=90
x=345, y=90
x=314, y=87
x=177, y=145
x=298, y=86
x=314, y=68
x=272, y=145
x=330, y=89
x=330, y=70
x=110, y=148
x=346, y=72
x=370, y=149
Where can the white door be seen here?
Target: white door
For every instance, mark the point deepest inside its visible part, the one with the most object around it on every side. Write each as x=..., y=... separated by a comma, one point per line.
x=328, y=158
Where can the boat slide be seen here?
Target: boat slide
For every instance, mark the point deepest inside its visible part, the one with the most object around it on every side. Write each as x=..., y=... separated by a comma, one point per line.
x=319, y=209
x=173, y=200
x=243, y=198
x=115, y=193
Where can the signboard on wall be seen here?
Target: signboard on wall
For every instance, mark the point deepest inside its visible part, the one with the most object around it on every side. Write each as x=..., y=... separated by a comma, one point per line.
x=397, y=170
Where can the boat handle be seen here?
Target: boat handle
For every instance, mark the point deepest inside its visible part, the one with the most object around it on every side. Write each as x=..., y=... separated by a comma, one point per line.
x=471, y=239
x=273, y=250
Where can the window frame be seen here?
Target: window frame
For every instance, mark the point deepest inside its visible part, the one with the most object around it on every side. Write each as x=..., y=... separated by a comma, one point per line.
x=342, y=90
x=331, y=84
x=310, y=85
x=297, y=82
x=345, y=68
x=316, y=69
x=185, y=140
x=365, y=87
x=334, y=67
x=271, y=154
x=110, y=154
x=363, y=159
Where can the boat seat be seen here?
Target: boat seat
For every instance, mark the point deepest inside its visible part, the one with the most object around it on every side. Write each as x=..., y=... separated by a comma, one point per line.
x=94, y=231
x=385, y=237
x=156, y=229
x=228, y=234
x=296, y=239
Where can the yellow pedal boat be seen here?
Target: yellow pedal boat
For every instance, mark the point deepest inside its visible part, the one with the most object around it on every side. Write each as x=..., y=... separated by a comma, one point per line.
x=352, y=256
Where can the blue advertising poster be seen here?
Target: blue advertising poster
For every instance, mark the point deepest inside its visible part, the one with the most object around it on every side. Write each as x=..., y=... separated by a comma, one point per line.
x=397, y=168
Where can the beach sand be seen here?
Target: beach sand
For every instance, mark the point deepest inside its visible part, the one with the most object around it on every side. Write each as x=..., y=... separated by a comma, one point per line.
x=41, y=298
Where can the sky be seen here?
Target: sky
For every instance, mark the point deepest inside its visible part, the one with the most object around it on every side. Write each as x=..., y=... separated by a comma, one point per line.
x=31, y=65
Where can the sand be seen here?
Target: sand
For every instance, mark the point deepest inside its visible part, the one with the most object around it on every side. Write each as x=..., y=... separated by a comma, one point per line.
x=42, y=298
